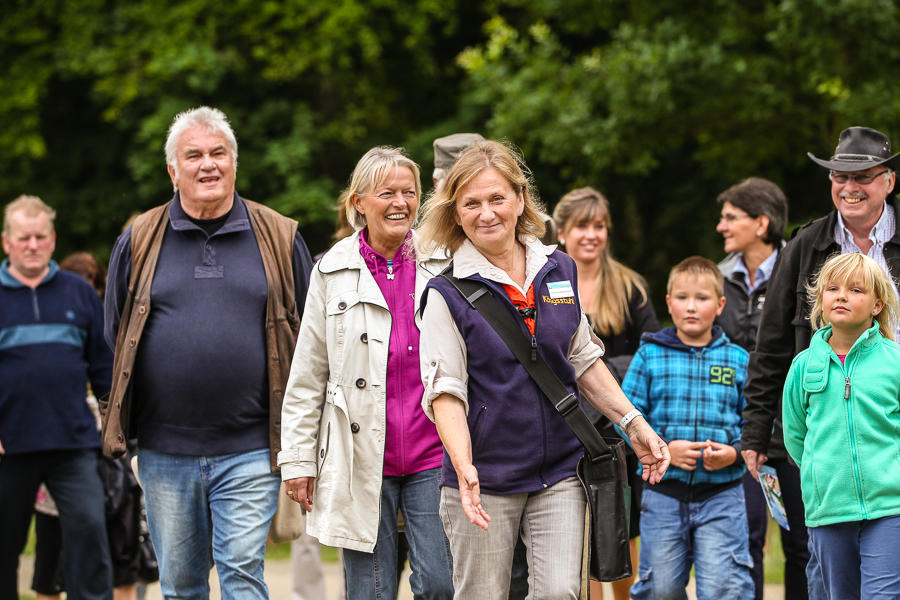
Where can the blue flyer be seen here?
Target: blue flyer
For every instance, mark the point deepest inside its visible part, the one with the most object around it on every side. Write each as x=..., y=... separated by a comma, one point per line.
x=768, y=479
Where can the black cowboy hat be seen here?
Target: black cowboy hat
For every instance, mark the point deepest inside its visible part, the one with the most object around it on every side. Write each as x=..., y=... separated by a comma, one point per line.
x=858, y=149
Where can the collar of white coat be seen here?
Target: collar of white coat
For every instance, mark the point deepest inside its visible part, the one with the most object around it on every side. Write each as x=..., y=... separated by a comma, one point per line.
x=345, y=254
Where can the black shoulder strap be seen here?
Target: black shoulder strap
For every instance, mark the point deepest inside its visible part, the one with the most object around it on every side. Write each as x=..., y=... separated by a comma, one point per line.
x=481, y=298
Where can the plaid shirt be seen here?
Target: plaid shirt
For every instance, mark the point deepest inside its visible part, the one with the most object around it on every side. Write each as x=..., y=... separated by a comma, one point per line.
x=691, y=393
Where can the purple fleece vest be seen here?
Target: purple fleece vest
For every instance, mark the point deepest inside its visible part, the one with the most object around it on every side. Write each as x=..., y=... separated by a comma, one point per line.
x=520, y=443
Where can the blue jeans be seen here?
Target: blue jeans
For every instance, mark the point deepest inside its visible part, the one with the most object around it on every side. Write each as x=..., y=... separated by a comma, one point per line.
x=205, y=510
x=73, y=481
x=859, y=558
x=373, y=575
x=711, y=534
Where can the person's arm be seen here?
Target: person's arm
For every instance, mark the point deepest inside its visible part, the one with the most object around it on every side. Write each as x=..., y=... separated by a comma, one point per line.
x=450, y=419
x=794, y=408
x=720, y=455
x=302, y=264
x=770, y=361
x=97, y=353
x=599, y=387
x=117, y=286
x=304, y=395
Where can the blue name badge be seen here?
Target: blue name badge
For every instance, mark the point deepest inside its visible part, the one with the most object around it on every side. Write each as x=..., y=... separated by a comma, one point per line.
x=209, y=272
x=560, y=289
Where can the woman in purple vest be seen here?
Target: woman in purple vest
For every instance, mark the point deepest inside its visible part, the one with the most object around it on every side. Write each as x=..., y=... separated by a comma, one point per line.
x=356, y=446
x=510, y=458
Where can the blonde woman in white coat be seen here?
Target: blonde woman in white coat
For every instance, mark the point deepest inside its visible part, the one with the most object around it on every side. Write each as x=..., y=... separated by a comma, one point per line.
x=356, y=445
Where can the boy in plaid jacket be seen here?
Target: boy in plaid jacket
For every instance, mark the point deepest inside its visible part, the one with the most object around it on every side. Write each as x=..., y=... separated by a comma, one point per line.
x=688, y=382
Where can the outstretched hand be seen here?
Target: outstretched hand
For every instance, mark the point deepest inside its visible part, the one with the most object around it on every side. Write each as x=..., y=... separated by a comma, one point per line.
x=470, y=494
x=301, y=490
x=650, y=449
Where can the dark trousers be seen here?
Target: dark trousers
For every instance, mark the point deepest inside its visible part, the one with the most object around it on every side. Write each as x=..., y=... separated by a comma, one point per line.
x=73, y=481
x=757, y=521
x=794, y=543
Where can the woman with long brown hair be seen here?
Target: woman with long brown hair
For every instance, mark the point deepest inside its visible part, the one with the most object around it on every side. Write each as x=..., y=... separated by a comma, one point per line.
x=617, y=305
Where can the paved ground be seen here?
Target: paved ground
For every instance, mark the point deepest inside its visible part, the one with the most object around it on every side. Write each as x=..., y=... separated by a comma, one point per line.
x=278, y=576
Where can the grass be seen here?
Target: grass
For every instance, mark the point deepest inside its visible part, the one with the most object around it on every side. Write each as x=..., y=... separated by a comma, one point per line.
x=773, y=557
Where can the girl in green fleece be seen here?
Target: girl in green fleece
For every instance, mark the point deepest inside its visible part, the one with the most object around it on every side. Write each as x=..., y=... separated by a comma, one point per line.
x=841, y=414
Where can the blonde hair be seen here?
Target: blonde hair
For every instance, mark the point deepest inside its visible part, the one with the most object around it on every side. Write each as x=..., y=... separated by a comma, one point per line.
x=697, y=266
x=843, y=268
x=615, y=282
x=30, y=205
x=371, y=171
x=439, y=226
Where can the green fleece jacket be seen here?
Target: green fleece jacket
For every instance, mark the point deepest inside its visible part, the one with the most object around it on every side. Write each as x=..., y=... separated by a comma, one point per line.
x=842, y=426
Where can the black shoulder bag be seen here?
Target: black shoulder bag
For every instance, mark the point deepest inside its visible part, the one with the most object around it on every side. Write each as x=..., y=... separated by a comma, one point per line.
x=601, y=470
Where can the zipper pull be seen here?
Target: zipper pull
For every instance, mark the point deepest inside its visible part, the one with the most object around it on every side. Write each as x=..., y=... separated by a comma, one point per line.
x=533, y=349
x=390, y=273
x=847, y=389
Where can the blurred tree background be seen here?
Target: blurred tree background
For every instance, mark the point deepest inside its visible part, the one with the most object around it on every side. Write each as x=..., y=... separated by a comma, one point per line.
x=660, y=104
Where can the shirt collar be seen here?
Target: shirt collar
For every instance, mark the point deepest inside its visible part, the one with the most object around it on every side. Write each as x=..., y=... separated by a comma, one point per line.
x=763, y=271
x=237, y=220
x=883, y=231
x=8, y=280
x=404, y=252
x=468, y=261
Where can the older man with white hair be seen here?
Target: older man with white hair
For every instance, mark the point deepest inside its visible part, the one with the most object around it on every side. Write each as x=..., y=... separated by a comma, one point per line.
x=203, y=307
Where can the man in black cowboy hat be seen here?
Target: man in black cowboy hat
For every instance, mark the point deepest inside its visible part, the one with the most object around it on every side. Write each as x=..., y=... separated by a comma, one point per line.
x=862, y=175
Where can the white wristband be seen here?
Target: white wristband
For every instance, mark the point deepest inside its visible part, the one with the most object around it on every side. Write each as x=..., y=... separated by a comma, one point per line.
x=629, y=417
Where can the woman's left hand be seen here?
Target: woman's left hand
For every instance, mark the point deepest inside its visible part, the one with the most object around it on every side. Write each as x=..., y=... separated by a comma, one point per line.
x=650, y=449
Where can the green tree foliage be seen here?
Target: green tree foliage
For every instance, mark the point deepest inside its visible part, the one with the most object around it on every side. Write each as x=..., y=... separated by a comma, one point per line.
x=664, y=104
x=91, y=86
x=659, y=104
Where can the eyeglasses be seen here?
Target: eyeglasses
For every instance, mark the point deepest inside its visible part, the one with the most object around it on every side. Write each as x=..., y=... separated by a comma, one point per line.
x=730, y=218
x=861, y=179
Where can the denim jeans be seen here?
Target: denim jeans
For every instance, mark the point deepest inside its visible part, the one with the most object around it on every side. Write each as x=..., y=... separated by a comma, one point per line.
x=73, y=481
x=205, y=510
x=859, y=558
x=373, y=575
x=711, y=535
x=551, y=524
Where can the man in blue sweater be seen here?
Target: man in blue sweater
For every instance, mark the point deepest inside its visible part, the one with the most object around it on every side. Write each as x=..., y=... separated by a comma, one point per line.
x=51, y=347
x=203, y=305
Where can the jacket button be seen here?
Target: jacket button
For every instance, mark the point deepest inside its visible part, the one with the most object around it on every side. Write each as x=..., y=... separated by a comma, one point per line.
x=118, y=404
x=322, y=453
x=360, y=383
x=132, y=342
x=342, y=305
x=125, y=374
x=142, y=309
x=120, y=438
x=354, y=427
x=364, y=338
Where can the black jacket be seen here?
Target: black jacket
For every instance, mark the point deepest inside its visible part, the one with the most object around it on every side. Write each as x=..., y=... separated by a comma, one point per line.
x=740, y=319
x=620, y=347
x=785, y=330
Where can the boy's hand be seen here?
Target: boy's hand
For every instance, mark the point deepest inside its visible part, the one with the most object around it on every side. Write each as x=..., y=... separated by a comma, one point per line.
x=718, y=456
x=686, y=453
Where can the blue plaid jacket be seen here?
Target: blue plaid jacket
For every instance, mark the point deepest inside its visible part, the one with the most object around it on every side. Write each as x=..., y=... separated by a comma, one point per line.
x=691, y=393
